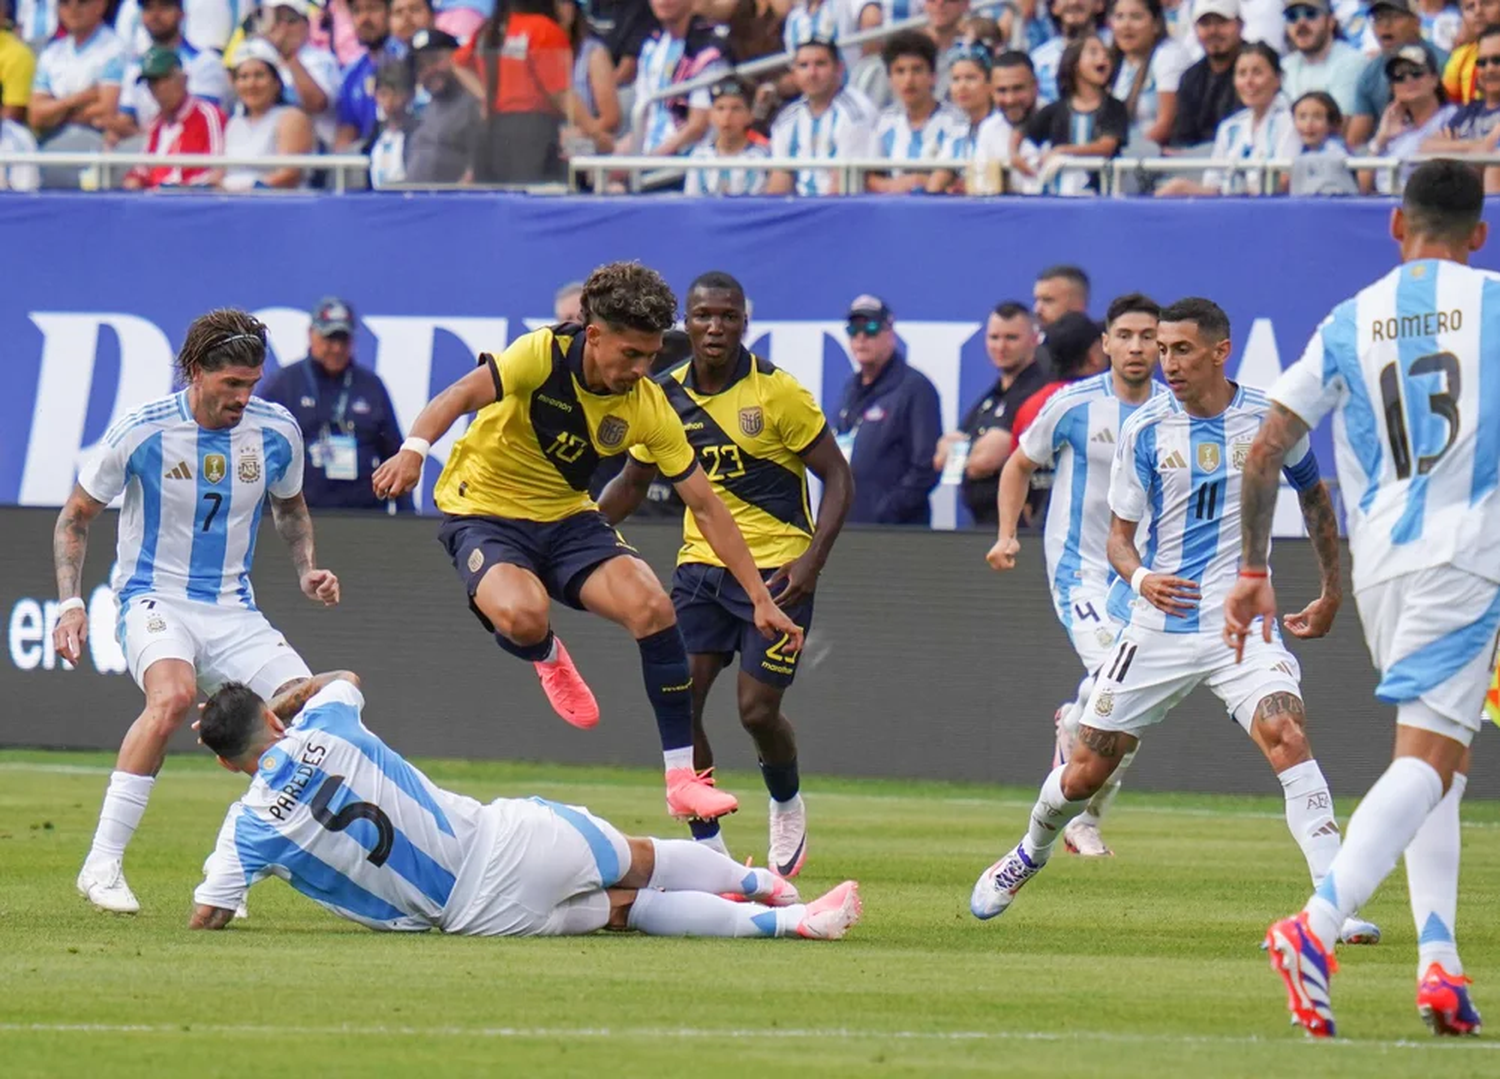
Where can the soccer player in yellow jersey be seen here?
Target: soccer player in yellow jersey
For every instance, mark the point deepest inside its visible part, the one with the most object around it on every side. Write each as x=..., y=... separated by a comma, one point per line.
x=756, y=431
x=520, y=526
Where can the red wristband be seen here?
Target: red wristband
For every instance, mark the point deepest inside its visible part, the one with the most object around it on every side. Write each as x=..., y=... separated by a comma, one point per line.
x=1256, y=573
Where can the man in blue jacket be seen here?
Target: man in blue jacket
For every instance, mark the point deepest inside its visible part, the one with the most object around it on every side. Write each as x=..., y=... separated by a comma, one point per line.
x=888, y=423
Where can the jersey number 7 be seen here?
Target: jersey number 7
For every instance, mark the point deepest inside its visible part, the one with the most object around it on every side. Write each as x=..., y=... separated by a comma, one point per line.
x=337, y=822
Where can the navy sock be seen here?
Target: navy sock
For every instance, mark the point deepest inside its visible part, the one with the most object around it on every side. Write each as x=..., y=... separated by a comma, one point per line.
x=664, y=665
x=782, y=780
x=703, y=829
x=532, y=653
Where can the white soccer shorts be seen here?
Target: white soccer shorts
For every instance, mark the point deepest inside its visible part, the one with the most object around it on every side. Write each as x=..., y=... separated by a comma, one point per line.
x=223, y=644
x=1432, y=636
x=1148, y=673
x=1088, y=623
x=548, y=869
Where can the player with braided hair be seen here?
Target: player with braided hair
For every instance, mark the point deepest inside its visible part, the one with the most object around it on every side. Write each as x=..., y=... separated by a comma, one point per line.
x=195, y=470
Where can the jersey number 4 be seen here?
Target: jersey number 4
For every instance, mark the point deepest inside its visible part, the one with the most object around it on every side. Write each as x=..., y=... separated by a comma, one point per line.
x=1444, y=404
x=336, y=822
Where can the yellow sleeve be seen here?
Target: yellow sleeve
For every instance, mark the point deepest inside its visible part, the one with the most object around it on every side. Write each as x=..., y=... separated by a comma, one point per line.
x=642, y=454
x=1453, y=74
x=17, y=70
x=523, y=366
x=663, y=436
x=797, y=417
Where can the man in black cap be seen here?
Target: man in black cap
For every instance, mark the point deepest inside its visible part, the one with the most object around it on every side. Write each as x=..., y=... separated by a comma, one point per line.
x=441, y=147
x=347, y=419
x=1397, y=25
x=887, y=424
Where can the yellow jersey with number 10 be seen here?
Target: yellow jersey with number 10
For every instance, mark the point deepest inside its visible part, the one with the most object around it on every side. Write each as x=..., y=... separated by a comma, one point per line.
x=530, y=455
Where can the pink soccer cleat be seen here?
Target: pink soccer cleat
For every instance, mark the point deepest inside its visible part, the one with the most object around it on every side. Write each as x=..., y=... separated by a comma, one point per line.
x=692, y=796
x=566, y=690
x=1306, y=968
x=1444, y=1005
x=832, y=915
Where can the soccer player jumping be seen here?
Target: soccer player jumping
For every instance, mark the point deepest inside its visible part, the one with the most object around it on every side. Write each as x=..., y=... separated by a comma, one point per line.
x=520, y=526
x=1410, y=368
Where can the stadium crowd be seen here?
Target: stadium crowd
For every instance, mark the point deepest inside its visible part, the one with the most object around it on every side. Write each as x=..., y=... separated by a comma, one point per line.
x=442, y=92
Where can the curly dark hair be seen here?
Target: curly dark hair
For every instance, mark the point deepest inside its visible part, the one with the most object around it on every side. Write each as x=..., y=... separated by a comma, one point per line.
x=628, y=295
x=229, y=720
x=223, y=338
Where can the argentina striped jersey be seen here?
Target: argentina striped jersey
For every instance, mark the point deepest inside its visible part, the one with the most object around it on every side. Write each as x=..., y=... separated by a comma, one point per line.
x=898, y=140
x=843, y=130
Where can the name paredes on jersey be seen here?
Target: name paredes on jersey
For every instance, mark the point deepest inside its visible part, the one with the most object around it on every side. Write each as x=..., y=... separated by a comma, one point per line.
x=309, y=767
x=1426, y=324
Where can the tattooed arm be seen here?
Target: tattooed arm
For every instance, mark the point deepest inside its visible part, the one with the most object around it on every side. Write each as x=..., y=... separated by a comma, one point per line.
x=70, y=542
x=1262, y=482
x=293, y=700
x=1316, y=619
x=294, y=525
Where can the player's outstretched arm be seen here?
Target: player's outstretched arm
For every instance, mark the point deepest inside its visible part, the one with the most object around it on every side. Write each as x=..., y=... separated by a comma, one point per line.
x=1015, y=482
x=294, y=525
x=724, y=537
x=402, y=472
x=291, y=702
x=624, y=494
x=70, y=541
x=798, y=579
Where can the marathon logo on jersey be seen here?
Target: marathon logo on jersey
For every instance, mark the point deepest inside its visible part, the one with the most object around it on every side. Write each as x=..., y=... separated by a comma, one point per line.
x=249, y=470
x=612, y=431
x=1208, y=456
x=291, y=792
x=1239, y=453
x=752, y=421
x=554, y=402
x=215, y=467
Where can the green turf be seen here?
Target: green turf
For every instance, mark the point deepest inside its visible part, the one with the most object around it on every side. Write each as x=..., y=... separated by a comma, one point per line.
x=1141, y=965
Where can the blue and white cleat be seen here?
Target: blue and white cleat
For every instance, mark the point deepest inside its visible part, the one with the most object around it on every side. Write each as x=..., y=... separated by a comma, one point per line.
x=997, y=886
x=1444, y=1005
x=1359, y=931
x=1306, y=968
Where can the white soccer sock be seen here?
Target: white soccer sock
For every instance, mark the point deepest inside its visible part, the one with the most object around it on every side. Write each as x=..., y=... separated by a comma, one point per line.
x=124, y=803
x=674, y=759
x=685, y=865
x=1048, y=817
x=1432, y=879
x=1099, y=804
x=551, y=656
x=1381, y=828
x=697, y=914
x=1309, y=816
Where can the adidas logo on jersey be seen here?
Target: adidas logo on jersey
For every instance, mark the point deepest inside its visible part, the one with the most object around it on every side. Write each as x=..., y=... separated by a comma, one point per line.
x=181, y=472
x=1169, y=461
x=1105, y=435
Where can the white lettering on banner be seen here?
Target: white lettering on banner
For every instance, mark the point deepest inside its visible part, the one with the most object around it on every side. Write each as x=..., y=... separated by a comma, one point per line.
x=30, y=633
x=286, y=330
x=104, y=646
x=797, y=348
x=25, y=633
x=70, y=345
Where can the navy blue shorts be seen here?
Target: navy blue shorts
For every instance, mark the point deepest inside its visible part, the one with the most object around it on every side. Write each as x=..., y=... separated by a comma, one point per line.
x=562, y=554
x=717, y=617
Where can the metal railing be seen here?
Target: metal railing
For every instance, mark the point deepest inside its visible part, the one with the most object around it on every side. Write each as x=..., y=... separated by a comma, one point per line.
x=107, y=164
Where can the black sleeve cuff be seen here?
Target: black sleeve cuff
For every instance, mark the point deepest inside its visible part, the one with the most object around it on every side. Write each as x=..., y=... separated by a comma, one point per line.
x=684, y=474
x=488, y=359
x=822, y=434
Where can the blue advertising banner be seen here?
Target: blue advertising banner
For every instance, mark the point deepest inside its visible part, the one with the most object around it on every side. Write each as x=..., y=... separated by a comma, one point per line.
x=102, y=287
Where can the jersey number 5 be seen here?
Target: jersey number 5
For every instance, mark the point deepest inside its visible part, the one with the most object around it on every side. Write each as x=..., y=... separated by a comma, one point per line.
x=1444, y=404
x=337, y=822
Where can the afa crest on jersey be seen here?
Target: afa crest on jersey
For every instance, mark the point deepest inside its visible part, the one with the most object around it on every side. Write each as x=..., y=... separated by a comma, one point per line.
x=1239, y=453
x=215, y=467
x=752, y=421
x=249, y=469
x=612, y=431
x=1104, y=704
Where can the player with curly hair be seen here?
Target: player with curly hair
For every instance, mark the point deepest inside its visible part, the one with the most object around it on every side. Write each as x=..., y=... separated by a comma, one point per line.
x=195, y=469
x=520, y=526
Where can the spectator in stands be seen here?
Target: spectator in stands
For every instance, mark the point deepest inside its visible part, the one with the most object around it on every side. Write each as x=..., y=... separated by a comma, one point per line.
x=462, y=19
x=729, y=141
x=309, y=74
x=969, y=92
x=1319, y=165
x=624, y=25
x=1178, y=15
x=17, y=71
x=1396, y=26
x=1148, y=68
x=441, y=148
x=1013, y=87
x=409, y=16
x=207, y=78
x=1442, y=23
x=1459, y=76
x=685, y=47
x=76, y=91
x=1263, y=129
x=567, y=305
x=888, y=422
x=918, y=127
x=389, y=149
x=945, y=28
x=1074, y=19
x=593, y=78
x=809, y=19
x=1319, y=60
x=1085, y=122
x=347, y=419
x=752, y=27
x=263, y=125
x=984, y=439
x=1058, y=290
x=180, y=124
x=1205, y=96
x=1417, y=112
x=355, y=105
x=826, y=123
x=16, y=138
x=1475, y=128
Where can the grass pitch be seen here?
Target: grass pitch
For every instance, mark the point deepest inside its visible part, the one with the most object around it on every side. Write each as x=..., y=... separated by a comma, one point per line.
x=1141, y=965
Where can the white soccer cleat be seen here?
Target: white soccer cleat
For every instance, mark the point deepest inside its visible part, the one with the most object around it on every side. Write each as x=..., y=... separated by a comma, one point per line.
x=1359, y=931
x=832, y=915
x=103, y=884
x=997, y=886
x=1082, y=837
x=241, y=912
x=788, y=849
